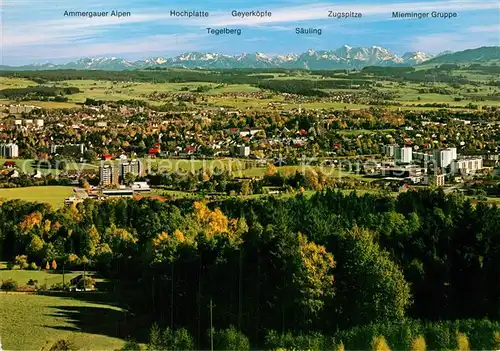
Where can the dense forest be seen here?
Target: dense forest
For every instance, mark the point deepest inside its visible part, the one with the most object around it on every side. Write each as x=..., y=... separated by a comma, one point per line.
x=309, y=87
x=37, y=92
x=154, y=76
x=299, y=265
x=364, y=77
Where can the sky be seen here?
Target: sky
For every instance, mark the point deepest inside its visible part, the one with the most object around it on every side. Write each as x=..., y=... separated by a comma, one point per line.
x=36, y=31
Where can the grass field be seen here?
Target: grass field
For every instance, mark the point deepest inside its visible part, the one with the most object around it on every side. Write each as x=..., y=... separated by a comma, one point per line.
x=43, y=276
x=30, y=321
x=30, y=166
x=53, y=195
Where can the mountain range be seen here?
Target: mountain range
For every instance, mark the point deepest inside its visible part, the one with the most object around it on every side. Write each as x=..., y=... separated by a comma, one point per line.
x=345, y=57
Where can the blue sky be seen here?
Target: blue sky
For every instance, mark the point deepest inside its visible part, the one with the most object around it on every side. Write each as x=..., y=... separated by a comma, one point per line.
x=37, y=31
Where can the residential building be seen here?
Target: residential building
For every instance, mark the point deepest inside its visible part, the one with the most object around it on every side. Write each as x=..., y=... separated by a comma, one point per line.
x=15, y=109
x=389, y=150
x=443, y=157
x=422, y=157
x=403, y=154
x=108, y=174
x=67, y=149
x=492, y=160
x=9, y=150
x=133, y=166
x=241, y=150
x=466, y=165
x=434, y=179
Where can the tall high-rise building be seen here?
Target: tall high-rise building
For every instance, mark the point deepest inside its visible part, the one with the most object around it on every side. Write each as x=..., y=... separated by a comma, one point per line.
x=403, y=154
x=108, y=174
x=389, y=150
x=133, y=166
x=444, y=157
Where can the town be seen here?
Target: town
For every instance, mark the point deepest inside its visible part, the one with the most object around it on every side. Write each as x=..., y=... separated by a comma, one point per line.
x=118, y=149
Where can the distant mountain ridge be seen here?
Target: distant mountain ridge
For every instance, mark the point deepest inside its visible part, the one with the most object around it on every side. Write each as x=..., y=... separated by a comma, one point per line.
x=345, y=57
x=479, y=55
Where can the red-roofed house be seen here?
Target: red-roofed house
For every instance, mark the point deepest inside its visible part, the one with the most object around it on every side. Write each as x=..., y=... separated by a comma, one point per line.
x=153, y=152
x=190, y=149
x=106, y=157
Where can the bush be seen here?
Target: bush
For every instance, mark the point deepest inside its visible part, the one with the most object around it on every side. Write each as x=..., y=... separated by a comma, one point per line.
x=131, y=346
x=408, y=335
x=26, y=288
x=10, y=265
x=437, y=336
x=169, y=340
x=230, y=339
x=33, y=266
x=59, y=286
x=62, y=345
x=9, y=285
x=182, y=340
x=481, y=334
x=32, y=282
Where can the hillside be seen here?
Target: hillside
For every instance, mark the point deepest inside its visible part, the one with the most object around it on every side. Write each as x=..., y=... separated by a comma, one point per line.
x=480, y=55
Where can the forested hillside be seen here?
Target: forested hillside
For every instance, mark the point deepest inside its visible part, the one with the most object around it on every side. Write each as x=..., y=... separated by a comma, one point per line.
x=299, y=264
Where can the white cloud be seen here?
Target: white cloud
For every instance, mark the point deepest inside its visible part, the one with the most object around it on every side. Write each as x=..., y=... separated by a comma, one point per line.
x=318, y=11
x=457, y=41
x=494, y=28
x=164, y=44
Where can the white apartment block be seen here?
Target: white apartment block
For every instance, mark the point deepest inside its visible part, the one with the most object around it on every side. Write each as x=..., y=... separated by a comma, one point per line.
x=9, y=150
x=403, y=154
x=466, y=166
x=444, y=157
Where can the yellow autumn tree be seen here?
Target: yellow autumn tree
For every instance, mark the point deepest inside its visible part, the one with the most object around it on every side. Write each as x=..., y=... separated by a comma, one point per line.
x=117, y=237
x=166, y=246
x=35, y=247
x=30, y=221
x=418, y=344
x=47, y=225
x=314, y=275
x=463, y=342
x=313, y=179
x=212, y=222
x=380, y=344
x=271, y=169
x=93, y=240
